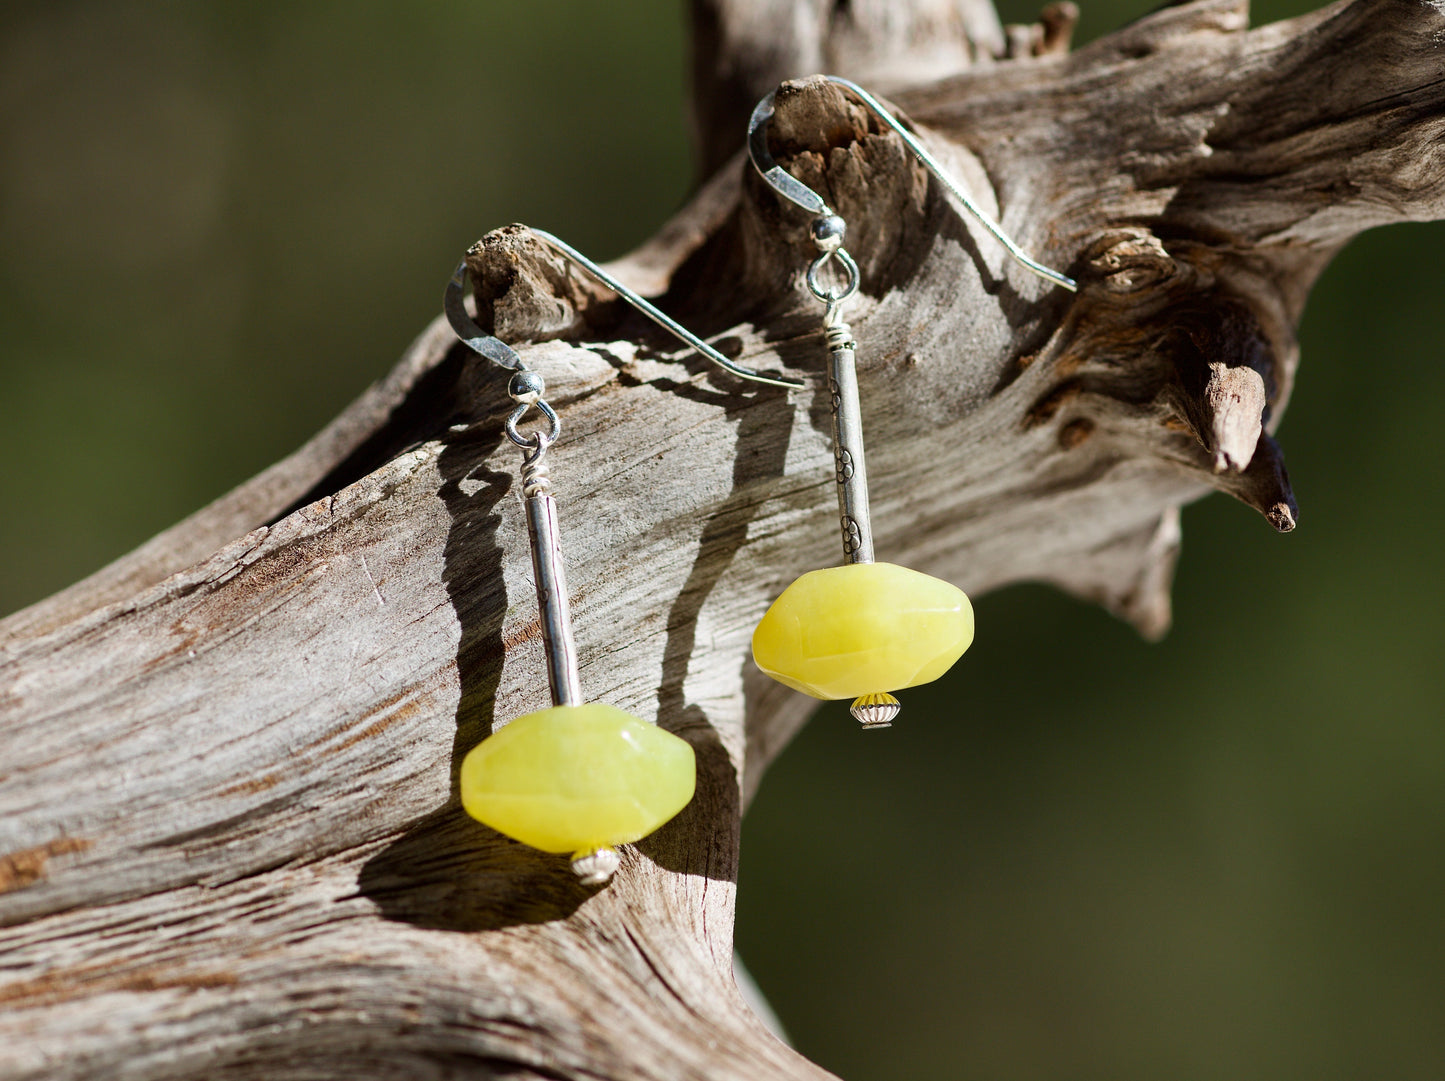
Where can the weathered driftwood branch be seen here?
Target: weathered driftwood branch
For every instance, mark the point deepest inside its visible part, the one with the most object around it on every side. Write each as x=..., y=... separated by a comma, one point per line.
x=230, y=844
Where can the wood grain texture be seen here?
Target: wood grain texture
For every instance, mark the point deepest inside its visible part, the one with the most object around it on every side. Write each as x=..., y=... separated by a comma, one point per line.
x=230, y=843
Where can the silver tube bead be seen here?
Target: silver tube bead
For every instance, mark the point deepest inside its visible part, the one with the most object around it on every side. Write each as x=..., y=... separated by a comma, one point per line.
x=852, y=473
x=552, y=603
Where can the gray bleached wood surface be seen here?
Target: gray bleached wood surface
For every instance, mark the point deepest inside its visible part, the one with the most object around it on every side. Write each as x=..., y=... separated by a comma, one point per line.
x=275, y=880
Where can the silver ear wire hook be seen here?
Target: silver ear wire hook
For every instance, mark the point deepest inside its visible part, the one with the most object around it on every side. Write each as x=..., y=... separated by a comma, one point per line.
x=479, y=341
x=659, y=317
x=796, y=191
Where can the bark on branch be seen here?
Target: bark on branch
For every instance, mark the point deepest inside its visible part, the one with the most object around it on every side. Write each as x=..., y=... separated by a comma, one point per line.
x=230, y=844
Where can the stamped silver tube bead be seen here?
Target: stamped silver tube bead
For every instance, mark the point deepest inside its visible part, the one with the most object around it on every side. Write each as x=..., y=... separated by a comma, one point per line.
x=852, y=472
x=552, y=603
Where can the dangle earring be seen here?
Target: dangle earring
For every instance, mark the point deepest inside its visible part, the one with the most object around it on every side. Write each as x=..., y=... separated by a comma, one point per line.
x=864, y=629
x=577, y=778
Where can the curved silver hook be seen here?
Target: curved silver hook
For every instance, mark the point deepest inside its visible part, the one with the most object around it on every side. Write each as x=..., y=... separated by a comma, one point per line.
x=475, y=338
x=779, y=179
x=797, y=192
x=659, y=317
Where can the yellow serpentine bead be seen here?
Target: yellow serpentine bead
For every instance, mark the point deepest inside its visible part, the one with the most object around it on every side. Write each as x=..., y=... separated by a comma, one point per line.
x=863, y=628
x=575, y=779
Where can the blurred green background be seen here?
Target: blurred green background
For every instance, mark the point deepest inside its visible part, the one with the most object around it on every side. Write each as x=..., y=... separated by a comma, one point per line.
x=1218, y=857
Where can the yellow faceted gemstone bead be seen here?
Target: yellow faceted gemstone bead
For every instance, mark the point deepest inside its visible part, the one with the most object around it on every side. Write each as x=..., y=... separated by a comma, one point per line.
x=841, y=632
x=573, y=779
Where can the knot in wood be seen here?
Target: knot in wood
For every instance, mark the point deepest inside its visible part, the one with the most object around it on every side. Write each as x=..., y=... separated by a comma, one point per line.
x=1129, y=263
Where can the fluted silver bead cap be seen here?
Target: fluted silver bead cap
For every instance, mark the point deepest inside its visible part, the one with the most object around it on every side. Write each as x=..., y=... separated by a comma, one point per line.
x=875, y=710
x=596, y=868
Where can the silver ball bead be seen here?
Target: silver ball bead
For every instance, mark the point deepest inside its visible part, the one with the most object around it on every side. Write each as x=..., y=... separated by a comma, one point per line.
x=526, y=387
x=828, y=232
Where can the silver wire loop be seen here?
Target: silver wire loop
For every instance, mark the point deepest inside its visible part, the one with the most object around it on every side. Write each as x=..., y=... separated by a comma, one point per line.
x=536, y=480
x=833, y=297
x=659, y=317
x=536, y=440
x=796, y=191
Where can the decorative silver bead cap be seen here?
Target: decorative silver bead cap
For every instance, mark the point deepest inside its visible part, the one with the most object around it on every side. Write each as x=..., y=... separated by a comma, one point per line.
x=596, y=868
x=875, y=710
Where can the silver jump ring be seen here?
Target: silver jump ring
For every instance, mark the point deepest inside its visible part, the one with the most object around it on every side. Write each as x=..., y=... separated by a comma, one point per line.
x=537, y=440
x=829, y=296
